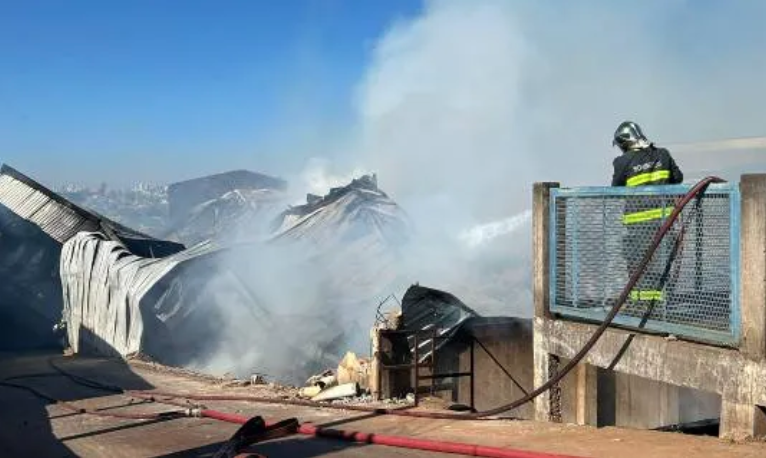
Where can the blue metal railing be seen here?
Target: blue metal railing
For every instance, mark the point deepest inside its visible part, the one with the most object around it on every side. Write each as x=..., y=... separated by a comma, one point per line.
x=691, y=286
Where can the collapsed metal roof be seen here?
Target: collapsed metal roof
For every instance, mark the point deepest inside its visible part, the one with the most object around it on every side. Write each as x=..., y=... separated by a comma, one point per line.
x=61, y=219
x=34, y=223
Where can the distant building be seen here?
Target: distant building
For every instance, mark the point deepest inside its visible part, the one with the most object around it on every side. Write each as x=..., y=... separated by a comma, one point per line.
x=185, y=195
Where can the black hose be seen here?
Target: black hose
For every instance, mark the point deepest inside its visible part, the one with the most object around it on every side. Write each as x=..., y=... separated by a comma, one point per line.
x=81, y=410
x=86, y=382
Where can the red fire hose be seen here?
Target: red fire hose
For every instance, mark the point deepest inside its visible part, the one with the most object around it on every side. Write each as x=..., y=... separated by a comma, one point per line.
x=396, y=441
x=309, y=430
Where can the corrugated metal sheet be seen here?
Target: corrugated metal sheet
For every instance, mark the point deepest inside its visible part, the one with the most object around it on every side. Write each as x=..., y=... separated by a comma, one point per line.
x=425, y=309
x=30, y=206
x=116, y=303
x=13, y=193
x=34, y=224
x=62, y=219
x=53, y=218
x=60, y=222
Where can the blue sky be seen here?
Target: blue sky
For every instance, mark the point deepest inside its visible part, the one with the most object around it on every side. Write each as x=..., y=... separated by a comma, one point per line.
x=162, y=90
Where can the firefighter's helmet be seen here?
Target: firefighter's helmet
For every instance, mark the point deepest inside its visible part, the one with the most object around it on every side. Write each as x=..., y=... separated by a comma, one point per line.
x=629, y=136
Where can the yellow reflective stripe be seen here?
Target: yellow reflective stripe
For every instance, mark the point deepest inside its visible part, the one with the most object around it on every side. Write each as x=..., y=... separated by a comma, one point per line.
x=647, y=215
x=646, y=295
x=649, y=177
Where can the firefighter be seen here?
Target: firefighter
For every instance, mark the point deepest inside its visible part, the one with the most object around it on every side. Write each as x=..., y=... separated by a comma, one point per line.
x=643, y=164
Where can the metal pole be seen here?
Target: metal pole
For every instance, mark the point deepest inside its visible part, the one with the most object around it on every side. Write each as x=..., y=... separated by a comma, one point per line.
x=379, y=360
x=698, y=247
x=473, y=375
x=433, y=360
x=416, y=367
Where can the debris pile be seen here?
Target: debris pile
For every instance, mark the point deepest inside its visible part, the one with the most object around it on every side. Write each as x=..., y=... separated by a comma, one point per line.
x=349, y=381
x=354, y=370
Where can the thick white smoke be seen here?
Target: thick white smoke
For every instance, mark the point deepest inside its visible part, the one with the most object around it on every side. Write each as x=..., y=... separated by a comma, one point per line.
x=477, y=99
x=438, y=105
x=462, y=107
x=465, y=105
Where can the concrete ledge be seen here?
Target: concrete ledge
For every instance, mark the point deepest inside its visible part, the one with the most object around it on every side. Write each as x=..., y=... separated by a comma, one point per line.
x=686, y=364
x=739, y=380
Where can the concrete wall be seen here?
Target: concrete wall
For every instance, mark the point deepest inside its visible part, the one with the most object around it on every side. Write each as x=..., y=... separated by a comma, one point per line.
x=646, y=404
x=511, y=345
x=623, y=399
x=658, y=378
x=502, y=353
x=698, y=373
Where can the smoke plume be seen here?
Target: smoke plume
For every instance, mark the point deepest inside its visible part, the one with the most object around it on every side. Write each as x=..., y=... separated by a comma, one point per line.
x=462, y=107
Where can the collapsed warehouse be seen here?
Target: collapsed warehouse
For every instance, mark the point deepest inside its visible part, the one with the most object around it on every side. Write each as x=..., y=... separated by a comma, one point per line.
x=120, y=292
x=123, y=293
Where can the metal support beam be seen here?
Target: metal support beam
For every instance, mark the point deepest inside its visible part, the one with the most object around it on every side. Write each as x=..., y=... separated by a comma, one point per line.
x=541, y=252
x=753, y=271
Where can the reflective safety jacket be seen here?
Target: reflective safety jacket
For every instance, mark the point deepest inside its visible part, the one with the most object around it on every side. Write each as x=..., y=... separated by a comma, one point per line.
x=649, y=166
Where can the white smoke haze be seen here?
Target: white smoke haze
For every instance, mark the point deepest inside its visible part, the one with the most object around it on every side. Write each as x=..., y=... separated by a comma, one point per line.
x=282, y=325
x=463, y=107
x=478, y=99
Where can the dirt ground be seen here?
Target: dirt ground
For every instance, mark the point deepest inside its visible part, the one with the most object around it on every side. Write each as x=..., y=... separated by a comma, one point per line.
x=32, y=427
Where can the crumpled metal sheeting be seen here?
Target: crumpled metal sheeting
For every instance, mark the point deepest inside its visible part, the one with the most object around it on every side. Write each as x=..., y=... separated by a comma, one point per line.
x=103, y=284
x=60, y=219
x=178, y=310
x=191, y=309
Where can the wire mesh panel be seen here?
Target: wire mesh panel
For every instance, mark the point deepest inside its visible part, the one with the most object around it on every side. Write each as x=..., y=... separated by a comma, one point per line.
x=599, y=237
